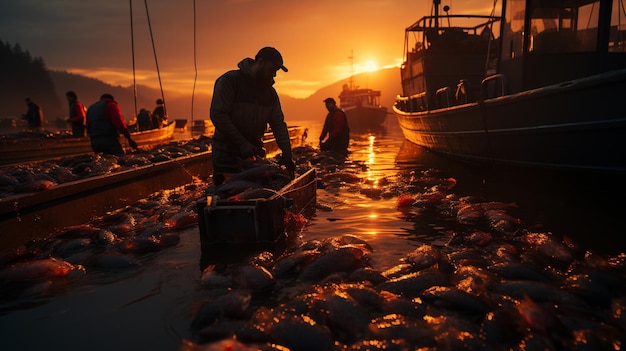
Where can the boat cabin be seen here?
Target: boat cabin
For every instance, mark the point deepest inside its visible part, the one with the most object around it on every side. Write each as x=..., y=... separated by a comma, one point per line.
x=358, y=97
x=446, y=59
x=548, y=42
x=457, y=59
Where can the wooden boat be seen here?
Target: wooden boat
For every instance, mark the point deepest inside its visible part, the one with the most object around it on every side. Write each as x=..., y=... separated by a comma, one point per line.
x=27, y=216
x=540, y=86
x=39, y=147
x=203, y=126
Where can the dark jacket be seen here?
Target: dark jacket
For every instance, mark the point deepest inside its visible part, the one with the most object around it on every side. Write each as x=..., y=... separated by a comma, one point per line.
x=34, y=115
x=104, y=118
x=241, y=110
x=336, y=126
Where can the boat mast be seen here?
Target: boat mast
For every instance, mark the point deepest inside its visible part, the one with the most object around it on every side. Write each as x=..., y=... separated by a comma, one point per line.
x=351, y=81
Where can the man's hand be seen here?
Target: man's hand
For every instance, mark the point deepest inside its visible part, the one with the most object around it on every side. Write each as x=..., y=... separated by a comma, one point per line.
x=248, y=150
x=289, y=165
x=132, y=144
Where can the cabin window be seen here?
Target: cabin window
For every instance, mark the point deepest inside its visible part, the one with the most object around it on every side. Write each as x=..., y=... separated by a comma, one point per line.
x=513, y=30
x=617, y=38
x=556, y=29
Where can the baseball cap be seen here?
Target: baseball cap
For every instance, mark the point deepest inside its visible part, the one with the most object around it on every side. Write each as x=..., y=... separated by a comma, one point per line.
x=271, y=54
x=327, y=100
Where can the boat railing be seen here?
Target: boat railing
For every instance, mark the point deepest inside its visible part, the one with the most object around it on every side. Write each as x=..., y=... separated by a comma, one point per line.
x=442, y=95
x=413, y=103
x=462, y=93
x=492, y=87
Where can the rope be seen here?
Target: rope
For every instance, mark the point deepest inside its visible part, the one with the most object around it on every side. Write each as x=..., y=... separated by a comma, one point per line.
x=132, y=44
x=195, y=66
x=156, y=62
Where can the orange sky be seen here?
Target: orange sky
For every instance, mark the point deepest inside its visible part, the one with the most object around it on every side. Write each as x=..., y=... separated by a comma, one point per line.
x=316, y=37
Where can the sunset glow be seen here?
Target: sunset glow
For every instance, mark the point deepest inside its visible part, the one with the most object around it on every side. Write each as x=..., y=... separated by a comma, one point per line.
x=98, y=43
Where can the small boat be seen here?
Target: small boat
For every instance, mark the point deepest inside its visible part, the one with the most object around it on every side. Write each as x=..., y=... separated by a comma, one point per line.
x=362, y=108
x=540, y=86
x=203, y=126
x=361, y=105
x=40, y=146
x=36, y=215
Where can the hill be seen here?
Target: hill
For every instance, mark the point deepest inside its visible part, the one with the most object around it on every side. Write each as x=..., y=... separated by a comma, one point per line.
x=312, y=108
x=179, y=106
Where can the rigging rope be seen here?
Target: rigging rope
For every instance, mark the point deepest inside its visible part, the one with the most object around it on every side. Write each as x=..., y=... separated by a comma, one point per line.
x=156, y=62
x=132, y=44
x=195, y=66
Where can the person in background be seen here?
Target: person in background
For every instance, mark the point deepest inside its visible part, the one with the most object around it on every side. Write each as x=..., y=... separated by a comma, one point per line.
x=144, y=120
x=159, y=116
x=336, y=128
x=244, y=103
x=77, y=114
x=34, y=115
x=105, y=124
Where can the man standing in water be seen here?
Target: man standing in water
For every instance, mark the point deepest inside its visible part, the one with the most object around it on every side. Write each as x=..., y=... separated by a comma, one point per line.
x=34, y=115
x=336, y=127
x=105, y=124
x=77, y=114
x=244, y=103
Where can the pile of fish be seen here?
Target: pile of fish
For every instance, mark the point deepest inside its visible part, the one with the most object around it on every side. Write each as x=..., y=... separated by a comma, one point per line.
x=121, y=241
x=38, y=176
x=494, y=285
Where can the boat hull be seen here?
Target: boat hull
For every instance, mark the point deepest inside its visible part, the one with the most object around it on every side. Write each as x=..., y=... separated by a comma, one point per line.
x=366, y=117
x=31, y=149
x=576, y=125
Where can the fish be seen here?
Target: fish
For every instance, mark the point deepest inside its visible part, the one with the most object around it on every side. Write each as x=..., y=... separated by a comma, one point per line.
x=256, y=174
x=299, y=332
x=343, y=259
x=39, y=270
x=255, y=278
x=234, y=187
x=230, y=305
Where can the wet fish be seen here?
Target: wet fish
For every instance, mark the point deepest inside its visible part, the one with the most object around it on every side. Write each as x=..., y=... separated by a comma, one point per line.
x=234, y=187
x=256, y=174
x=298, y=332
x=230, y=305
x=343, y=259
x=41, y=269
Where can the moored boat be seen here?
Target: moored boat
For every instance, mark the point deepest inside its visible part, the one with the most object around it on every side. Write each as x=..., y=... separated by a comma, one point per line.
x=362, y=106
x=30, y=147
x=539, y=86
x=27, y=216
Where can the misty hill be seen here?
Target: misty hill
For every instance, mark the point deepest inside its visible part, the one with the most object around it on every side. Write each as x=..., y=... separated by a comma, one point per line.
x=90, y=89
x=24, y=76
x=312, y=107
x=179, y=107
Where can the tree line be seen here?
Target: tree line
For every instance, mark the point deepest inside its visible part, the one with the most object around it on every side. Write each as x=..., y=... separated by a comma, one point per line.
x=22, y=76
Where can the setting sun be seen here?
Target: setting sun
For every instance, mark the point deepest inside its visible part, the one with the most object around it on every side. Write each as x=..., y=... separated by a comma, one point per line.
x=371, y=66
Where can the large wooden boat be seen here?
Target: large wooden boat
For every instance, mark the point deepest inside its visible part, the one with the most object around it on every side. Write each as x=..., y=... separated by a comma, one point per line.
x=15, y=149
x=34, y=215
x=540, y=86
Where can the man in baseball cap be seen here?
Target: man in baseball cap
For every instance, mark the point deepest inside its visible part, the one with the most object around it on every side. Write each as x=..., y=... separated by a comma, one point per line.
x=244, y=104
x=271, y=54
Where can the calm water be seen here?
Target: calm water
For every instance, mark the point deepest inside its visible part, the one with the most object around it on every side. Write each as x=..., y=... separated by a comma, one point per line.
x=151, y=309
